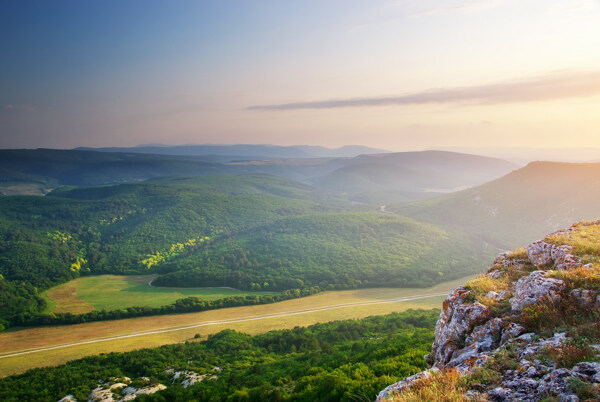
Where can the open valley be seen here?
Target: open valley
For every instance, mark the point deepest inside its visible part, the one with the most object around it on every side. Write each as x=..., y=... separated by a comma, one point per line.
x=111, y=292
x=327, y=306
x=298, y=201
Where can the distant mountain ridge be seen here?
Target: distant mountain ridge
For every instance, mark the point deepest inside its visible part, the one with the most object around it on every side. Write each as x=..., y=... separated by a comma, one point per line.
x=373, y=179
x=393, y=177
x=228, y=153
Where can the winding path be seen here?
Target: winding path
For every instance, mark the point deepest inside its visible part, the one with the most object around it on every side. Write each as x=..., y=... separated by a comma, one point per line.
x=228, y=321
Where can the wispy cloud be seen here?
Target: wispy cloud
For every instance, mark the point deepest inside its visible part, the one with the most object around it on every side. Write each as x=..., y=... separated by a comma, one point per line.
x=464, y=7
x=543, y=88
x=579, y=5
x=19, y=107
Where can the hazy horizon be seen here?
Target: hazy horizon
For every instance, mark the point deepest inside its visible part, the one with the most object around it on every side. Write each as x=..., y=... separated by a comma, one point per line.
x=397, y=75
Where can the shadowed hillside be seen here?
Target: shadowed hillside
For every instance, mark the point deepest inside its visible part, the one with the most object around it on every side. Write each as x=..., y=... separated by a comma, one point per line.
x=519, y=207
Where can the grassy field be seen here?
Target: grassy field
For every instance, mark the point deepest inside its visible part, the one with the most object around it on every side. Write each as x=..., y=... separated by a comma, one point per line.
x=113, y=292
x=20, y=340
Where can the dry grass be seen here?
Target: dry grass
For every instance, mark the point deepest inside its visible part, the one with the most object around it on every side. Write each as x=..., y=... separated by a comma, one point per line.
x=443, y=386
x=32, y=338
x=482, y=285
x=519, y=254
x=585, y=241
x=17, y=188
x=585, y=278
x=65, y=299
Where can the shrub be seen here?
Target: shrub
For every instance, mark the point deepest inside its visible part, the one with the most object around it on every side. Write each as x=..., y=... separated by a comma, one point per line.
x=547, y=315
x=482, y=376
x=582, y=389
x=569, y=353
x=582, y=277
x=504, y=359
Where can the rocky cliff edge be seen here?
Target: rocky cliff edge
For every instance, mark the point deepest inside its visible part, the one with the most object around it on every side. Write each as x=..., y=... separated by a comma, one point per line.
x=528, y=329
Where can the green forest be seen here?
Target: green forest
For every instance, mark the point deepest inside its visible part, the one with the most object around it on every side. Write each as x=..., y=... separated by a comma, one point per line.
x=252, y=232
x=337, y=361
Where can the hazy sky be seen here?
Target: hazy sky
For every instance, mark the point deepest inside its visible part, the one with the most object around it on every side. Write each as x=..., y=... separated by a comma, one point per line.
x=400, y=75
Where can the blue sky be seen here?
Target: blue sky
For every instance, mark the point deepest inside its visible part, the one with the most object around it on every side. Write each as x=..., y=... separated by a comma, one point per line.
x=118, y=73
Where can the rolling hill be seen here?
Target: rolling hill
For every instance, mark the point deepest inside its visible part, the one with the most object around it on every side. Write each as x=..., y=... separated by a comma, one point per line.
x=251, y=232
x=517, y=208
x=333, y=251
x=374, y=179
x=52, y=168
x=390, y=177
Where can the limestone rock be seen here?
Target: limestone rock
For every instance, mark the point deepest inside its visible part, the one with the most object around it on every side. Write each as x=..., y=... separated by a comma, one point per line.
x=468, y=333
x=396, y=388
x=101, y=394
x=497, y=296
x=484, y=338
x=456, y=321
x=495, y=273
x=588, y=369
x=584, y=297
x=510, y=332
x=542, y=254
x=530, y=289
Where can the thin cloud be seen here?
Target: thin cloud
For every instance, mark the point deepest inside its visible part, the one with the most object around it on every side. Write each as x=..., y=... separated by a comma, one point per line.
x=14, y=107
x=549, y=87
x=584, y=5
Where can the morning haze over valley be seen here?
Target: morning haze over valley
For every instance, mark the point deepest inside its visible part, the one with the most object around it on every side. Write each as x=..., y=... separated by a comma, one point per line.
x=394, y=200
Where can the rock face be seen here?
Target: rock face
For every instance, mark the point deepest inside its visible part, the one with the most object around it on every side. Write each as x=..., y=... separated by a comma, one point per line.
x=543, y=254
x=398, y=387
x=456, y=320
x=118, y=389
x=468, y=333
x=530, y=289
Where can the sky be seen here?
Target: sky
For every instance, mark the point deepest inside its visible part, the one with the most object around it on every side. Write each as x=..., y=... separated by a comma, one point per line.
x=392, y=74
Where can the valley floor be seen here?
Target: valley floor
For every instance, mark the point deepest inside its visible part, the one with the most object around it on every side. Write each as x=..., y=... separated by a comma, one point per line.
x=49, y=346
x=114, y=292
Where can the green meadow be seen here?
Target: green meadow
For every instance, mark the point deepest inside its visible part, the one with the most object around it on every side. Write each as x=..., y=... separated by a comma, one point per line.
x=113, y=292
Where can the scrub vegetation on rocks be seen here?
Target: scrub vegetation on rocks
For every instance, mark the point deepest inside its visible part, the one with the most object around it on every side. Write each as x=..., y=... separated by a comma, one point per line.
x=528, y=329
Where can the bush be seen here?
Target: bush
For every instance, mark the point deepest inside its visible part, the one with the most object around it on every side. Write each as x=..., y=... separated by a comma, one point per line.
x=570, y=353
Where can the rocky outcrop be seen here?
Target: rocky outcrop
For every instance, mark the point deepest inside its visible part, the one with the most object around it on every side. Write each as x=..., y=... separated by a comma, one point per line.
x=119, y=390
x=530, y=289
x=130, y=393
x=456, y=320
x=189, y=378
x=398, y=387
x=586, y=298
x=469, y=332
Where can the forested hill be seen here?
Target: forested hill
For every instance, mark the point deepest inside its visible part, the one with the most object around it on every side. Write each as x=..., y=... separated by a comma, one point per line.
x=253, y=231
x=51, y=168
x=332, y=251
x=375, y=179
x=131, y=228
